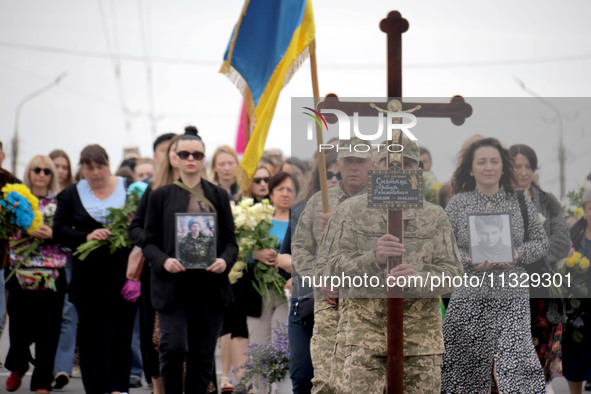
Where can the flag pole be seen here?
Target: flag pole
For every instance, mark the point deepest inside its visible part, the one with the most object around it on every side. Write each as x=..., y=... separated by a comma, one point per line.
x=321, y=158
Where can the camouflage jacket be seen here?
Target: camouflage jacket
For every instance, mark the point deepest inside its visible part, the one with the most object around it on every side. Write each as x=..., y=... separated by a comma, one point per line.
x=350, y=242
x=307, y=236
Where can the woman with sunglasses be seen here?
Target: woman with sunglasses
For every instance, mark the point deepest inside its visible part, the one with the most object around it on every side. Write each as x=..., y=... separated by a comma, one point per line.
x=190, y=303
x=105, y=319
x=36, y=288
x=259, y=188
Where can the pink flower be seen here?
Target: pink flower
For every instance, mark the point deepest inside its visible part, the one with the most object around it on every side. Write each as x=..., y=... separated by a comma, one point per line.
x=571, y=251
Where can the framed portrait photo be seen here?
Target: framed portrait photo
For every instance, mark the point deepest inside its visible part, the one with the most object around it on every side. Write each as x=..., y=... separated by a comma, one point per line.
x=196, y=239
x=490, y=238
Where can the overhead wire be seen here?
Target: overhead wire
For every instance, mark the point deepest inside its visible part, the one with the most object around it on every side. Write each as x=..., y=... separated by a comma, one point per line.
x=145, y=34
x=116, y=63
x=331, y=66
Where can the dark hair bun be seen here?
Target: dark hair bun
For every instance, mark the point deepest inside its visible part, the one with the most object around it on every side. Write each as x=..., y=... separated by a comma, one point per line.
x=191, y=130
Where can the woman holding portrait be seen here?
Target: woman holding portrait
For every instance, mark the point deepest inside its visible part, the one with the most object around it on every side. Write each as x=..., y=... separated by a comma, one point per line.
x=190, y=303
x=487, y=328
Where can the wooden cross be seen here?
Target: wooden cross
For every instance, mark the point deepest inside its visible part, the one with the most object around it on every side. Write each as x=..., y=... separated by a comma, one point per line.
x=457, y=110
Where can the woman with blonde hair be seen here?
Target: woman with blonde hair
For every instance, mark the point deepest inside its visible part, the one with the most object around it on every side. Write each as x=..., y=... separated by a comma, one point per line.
x=36, y=288
x=223, y=169
x=167, y=169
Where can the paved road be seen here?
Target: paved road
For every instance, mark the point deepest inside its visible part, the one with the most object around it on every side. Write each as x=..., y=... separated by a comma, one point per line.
x=75, y=386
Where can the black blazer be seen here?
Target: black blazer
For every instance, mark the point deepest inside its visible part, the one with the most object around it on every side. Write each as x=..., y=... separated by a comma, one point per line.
x=159, y=245
x=102, y=274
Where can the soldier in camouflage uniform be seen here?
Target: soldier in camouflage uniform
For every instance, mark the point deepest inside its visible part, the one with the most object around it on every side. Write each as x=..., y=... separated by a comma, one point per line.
x=353, y=167
x=359, y=247
x=196, y=249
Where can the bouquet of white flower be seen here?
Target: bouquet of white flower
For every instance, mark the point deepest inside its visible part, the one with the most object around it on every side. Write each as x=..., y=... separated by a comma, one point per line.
x=252, y=225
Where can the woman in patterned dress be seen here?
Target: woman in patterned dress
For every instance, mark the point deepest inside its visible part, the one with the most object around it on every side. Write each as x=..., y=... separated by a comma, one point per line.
x=487, y=325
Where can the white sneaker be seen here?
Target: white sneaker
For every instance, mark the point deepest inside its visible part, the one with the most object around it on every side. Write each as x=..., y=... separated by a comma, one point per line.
x=61, y=380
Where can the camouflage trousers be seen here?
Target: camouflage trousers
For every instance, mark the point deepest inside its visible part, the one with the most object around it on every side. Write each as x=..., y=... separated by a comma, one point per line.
x=322, y=344
x=338, y=358
x=365, y=372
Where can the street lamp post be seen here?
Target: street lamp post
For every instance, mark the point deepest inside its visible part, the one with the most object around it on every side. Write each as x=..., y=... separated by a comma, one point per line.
x=561, y=153
x=15, y=139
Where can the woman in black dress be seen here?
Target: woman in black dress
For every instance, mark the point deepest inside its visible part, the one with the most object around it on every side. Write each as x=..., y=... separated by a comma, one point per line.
x=105, y=318
x=190, y=303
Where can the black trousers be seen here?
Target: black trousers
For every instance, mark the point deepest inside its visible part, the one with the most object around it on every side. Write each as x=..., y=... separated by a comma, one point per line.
x=35, y=317
x=105, y=326
x=188, y=333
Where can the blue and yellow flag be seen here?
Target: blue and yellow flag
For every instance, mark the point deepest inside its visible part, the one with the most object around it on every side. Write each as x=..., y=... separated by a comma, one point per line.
x=270, y=41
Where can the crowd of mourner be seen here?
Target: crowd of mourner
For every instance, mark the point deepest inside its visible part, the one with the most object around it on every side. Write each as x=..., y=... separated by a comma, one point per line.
x=141, y=276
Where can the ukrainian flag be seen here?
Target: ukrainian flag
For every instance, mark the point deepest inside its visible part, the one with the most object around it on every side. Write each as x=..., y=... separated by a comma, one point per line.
x=270, y=41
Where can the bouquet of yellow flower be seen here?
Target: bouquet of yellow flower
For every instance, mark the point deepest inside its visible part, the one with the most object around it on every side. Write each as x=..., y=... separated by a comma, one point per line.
x=19, y=210
x=430, y=187
x=27, y=244
x=252, y=225
x=117, y=222
x=573, y=270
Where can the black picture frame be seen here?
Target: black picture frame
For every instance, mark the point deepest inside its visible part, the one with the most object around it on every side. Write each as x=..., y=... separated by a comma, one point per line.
x=196, y=239
x=490, y=238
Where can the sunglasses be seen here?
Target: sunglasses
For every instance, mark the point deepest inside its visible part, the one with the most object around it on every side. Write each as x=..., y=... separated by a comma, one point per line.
x=184, y=155
x=259, y=180
x=330, y=175
x=38, y=170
